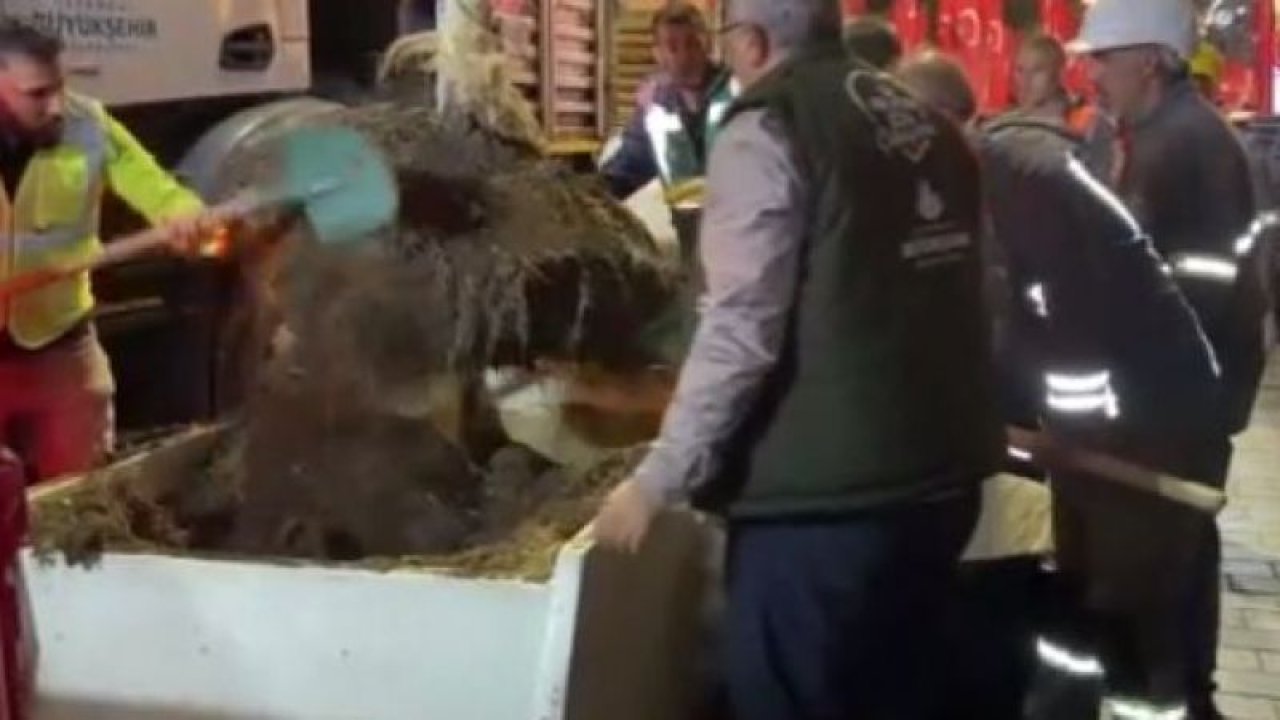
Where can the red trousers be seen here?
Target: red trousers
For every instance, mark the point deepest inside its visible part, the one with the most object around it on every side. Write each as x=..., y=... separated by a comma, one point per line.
x=56, y=406
x=18, y=652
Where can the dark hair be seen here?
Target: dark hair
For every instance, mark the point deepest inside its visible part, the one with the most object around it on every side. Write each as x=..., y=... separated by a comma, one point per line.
x=21, y=38
x=941, y=82
x=1048, y=45
x=873, y=41
x=678, y=14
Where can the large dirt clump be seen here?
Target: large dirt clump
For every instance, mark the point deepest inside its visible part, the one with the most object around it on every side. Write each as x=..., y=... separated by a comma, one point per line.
x=499, y=257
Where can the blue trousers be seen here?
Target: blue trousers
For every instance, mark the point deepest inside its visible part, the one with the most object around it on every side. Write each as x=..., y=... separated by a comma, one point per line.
x=844, y=618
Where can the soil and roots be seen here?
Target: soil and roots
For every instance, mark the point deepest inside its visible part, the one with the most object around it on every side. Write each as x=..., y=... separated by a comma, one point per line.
x=499, y=257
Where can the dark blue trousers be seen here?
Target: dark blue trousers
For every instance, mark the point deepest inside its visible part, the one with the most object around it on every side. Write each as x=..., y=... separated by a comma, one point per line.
x=844, y=618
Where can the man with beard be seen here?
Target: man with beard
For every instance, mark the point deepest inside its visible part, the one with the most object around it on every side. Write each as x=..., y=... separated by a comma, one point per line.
x=58, y=152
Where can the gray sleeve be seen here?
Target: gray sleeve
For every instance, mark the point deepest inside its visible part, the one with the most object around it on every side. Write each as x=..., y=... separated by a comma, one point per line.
x=751, y=238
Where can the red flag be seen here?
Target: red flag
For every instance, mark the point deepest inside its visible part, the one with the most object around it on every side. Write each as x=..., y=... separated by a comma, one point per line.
x=946, y=37
x=999, y=40
x=1264, y=21
x=962, y=33
x=853, y=8
x=911, y=22
x=1237, y=87
x=1059, y=20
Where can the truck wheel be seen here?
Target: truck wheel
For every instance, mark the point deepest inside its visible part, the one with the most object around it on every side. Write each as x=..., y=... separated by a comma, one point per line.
x=201, y=167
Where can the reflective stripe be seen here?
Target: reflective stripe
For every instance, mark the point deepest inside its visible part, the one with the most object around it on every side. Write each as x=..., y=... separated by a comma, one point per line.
x=1104, y=403
x=717, y=110
x=1124, y=709
x=1019, y=454
x=1224, y=268
x=1081, y=174
x=1082, y=394
x=1035, y=295
x=44, y=242
x=1262, y=223
x=85, y=132
x=1086, y=382
x=1062, y=659
x=1205, y=267
x=660, y=124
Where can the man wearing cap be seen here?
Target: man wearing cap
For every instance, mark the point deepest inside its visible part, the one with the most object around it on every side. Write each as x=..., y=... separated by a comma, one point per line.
x=1183, y=174
x=837, y=403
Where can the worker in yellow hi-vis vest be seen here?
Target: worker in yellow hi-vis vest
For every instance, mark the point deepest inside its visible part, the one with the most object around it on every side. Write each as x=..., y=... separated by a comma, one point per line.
x=58, y=153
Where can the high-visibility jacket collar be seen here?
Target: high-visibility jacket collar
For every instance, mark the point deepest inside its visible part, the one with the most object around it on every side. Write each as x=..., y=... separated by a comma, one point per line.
x=681, y=162
x=51, y=221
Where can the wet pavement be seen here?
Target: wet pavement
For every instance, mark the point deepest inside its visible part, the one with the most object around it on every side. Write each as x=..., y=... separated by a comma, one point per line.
x=1249, y=657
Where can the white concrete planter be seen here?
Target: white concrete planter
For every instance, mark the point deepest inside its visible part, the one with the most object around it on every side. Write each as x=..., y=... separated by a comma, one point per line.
x=146, y=636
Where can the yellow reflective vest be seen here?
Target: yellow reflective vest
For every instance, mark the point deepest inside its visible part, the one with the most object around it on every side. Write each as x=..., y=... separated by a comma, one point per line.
x=681, y=167
x=52, y=220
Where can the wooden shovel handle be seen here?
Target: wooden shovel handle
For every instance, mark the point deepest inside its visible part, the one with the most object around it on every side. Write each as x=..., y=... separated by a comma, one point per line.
x=120, y=250
x=1049, y=451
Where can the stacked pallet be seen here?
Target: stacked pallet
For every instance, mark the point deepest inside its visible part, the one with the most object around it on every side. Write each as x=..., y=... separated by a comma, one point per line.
x=557, y=61
x=517, y=25
x=632, y=59
x=573, y=104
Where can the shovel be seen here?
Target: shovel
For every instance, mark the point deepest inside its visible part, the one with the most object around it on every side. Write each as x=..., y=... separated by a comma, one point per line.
x=338, y=181
x=1050, y=451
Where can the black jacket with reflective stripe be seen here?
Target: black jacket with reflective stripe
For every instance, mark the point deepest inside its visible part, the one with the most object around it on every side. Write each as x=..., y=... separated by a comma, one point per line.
x=1086, y=291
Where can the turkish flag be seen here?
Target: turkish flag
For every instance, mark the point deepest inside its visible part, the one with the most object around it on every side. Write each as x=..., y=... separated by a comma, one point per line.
x=1237, y=88
x=999, y=57
x=911, y=22
x=962, y=32
x=1264, y=33
x=853, y=8
x=1059, y=20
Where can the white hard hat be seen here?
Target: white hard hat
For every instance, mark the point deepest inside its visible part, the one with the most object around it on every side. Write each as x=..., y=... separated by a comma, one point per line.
x=1111, y=24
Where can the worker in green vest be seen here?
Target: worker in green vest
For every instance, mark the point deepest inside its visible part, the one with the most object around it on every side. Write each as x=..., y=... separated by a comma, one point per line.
x=678, y=114
x=837, y=402
x=58, y=153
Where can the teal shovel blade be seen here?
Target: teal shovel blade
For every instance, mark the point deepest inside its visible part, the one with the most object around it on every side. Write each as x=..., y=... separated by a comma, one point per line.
x=343, y=183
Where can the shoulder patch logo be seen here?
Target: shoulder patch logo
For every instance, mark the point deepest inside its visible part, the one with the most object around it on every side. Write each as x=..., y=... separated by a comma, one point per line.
x=929, y=204
x=902, y=125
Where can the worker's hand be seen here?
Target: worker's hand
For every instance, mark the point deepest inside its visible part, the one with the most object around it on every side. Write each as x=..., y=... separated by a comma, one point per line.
x=625, y=517
x=195, y=235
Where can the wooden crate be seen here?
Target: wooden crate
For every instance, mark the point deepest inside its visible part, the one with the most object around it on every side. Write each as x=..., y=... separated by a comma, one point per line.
x=559, y=60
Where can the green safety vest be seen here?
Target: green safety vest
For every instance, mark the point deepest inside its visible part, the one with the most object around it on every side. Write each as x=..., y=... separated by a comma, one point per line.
x=884, y=393
x=681, y=167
